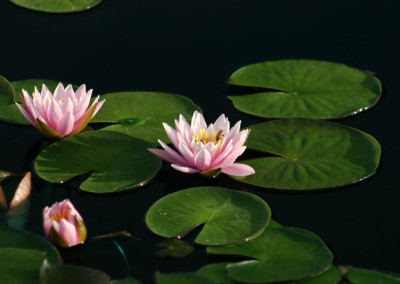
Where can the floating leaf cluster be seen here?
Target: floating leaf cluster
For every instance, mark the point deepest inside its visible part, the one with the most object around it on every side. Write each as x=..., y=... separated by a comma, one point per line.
x=299, y=153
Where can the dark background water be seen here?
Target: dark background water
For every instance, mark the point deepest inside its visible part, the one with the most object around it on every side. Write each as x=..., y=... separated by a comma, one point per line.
x=191, y=48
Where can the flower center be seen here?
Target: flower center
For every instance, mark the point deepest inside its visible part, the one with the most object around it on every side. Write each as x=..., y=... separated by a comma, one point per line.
x=60, y=215
x=214, y=137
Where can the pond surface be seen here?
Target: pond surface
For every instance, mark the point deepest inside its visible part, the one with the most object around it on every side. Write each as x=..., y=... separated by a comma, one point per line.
x=191, y=48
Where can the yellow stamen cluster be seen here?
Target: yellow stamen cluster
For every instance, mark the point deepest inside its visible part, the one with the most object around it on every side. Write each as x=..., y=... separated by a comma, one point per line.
x=202, y=136
x=60, y=215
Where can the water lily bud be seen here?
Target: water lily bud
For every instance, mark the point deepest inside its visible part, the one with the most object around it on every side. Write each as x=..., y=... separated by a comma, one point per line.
x=205, y=149
x=60, y=115
x=63, y=225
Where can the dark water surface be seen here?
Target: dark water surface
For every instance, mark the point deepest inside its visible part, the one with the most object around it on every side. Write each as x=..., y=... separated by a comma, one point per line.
x=191, y=48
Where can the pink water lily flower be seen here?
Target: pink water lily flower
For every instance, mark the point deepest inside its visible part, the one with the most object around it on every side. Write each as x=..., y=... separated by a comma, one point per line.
x=63, y=225
x=60, y=115
x=203, y=149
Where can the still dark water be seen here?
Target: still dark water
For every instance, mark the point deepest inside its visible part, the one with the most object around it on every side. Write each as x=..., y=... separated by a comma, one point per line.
x=191, y=48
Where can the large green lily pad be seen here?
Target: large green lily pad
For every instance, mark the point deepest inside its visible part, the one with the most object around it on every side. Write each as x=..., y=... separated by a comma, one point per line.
x=115, y=160
x=219, y=272
x=305, y=89
x=312, y=154
x=9, y=112
x=279, y=254
x=22, y=254
x=228, y=216
x=57, y=6
x=364, y=276
x=141, y=114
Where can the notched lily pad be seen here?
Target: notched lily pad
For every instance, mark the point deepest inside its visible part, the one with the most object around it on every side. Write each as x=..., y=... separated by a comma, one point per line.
x=365, y=276
x=141, y=114
x=57, y=6
x=115, y=160
x=218, y=272
x=278, y=254
x=312, y=154
x=228, y=216
x=305, y=89
x=22, y=254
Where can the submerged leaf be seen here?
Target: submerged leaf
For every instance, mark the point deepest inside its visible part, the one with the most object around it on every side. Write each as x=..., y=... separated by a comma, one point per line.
x=67, y=274
x=118, y=236
x=22, y=254
x=183, y=277
x=174, y=248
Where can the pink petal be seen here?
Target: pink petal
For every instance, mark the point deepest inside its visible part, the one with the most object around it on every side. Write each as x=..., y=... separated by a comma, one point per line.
x=232, y=156
x=54, y=115
x=44, y=90
x=99, y=105
x=163, y=155
x=67, y=106
x=183, y=169
x=172, y=135
x=66, y=124
x=27, y=115
x=186, y=153
x=202, y=160
x=68, y=232
x=222, y=123
x=177, y=159
x=219, y=158
x=59, y=92
x=198, y=123
x=80, y=92
x=238, y=169
x=80, y=107
x=234, y=130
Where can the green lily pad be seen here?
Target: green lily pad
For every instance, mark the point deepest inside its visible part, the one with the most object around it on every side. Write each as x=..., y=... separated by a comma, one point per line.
x=66, y=274
x=331, y=276
x=6, y=91
x=218, y=272
x=183, y=278
x=8, y=110
x=313, y=154
x=228, y=216
x=141, y=114
x=364, y=276
x=57, y=6
x=279, y=254
x=116, y=161
x=305, y=89
x=22, y=254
